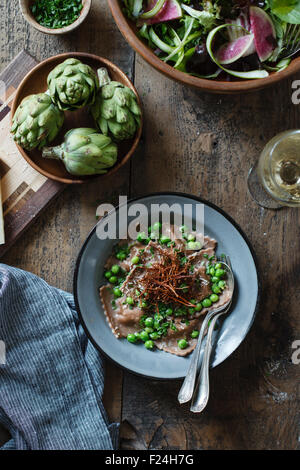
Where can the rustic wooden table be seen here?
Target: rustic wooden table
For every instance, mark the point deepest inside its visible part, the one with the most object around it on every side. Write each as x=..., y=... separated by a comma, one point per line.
x=202, y=144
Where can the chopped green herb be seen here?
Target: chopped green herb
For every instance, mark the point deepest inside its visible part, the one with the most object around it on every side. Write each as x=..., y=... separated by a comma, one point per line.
x=55, y=14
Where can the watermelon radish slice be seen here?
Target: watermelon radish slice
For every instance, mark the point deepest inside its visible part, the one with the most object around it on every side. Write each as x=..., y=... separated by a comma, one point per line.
x=252, y=74
x=170, y=10
x=264, y=33
x=234, y=50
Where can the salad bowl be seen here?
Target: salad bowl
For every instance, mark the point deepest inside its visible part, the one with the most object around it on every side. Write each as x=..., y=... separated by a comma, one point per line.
x=130, y=31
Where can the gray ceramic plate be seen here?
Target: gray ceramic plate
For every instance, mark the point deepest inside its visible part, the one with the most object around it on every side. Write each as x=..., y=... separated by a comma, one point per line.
x=159, y=364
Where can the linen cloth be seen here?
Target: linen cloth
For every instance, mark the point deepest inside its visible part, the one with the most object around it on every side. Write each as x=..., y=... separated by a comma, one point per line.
x=52, y=382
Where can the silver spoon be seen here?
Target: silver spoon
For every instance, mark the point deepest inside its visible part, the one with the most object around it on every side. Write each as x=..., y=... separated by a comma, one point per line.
x=201, y=393
x=186, y=392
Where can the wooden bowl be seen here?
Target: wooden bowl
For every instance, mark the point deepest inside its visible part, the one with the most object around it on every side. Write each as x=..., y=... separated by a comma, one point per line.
x=36, y=82
x=129, y=30
x=26, y=12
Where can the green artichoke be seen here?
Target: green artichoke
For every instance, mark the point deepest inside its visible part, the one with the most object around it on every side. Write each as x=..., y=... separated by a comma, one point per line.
x=36, y=121
x=116, y=111
x=73, y=85
x=84, y=152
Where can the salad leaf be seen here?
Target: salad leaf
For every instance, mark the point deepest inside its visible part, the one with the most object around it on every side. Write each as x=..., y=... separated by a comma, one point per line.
x=286, y=10
x=281, y=65
x=206, y=18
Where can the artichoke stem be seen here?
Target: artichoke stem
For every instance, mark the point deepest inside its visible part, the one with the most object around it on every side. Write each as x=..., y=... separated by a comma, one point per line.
x=53, y=152
x=103, y=76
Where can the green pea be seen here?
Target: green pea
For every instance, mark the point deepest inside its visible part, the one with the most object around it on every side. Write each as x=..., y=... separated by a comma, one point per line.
x=195, y=334
x=135, y=260
x=137, y=335
x=149, y=344
x=198, y=307
x=182, y=343
x=214, y=279
x=191, y=245
x=222, y=284
x=121, y=256
x=218, y=266
x=130, y=300
x=144, y=335
x=183, y=229
x=158, y=317
x=144, y=304
x=212, y=271
x=191, y=311
x=216, y=289
x=197, y=246
x=165, y=239
x=131, y=338
x=193, y=301
x=169, y=311
x=117, y=292
x=141, y=237
x=220, y=272
x=149, y=322
x=156, y=227
x=206, y=303
x=154, y=335
x=113, y=279
x=115, y=269
x=148, y=329
x=214, y=297
x=107, y=274
x=154, y=235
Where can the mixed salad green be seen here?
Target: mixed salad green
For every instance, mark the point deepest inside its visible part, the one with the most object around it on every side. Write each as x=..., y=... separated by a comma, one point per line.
x=212, y=38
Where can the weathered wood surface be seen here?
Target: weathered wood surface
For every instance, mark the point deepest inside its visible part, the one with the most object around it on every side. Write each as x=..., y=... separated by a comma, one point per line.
x=201, y=144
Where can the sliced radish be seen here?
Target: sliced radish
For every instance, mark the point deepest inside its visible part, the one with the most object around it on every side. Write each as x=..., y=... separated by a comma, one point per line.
x=264, y=33
x=234, y=50
x=252, y=74
x=168, y=10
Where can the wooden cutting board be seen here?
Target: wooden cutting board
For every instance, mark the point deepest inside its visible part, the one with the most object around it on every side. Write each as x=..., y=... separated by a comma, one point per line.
x=25, y=193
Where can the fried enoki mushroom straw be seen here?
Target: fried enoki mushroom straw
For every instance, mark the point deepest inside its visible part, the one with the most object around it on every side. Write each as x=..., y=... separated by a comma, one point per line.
x=168, y=280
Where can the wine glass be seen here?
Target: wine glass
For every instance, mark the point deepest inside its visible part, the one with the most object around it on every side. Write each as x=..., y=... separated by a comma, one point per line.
x=274, y=181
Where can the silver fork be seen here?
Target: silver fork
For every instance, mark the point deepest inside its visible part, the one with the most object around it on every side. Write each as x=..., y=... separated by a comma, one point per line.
x=187, y=388
x=291, y=41
x=201, y=392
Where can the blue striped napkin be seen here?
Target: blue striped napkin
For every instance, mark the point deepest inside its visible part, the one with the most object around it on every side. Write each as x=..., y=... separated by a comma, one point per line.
x=52, y=381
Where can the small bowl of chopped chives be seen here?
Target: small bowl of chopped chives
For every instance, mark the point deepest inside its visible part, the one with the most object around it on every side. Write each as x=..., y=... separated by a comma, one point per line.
x=55, y=16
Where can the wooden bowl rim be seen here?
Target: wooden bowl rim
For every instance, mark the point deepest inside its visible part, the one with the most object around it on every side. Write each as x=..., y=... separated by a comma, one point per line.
x=212, y=86
x=24, y=7
x=109, y=65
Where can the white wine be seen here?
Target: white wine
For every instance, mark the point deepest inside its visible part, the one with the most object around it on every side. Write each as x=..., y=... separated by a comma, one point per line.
x=279, y=168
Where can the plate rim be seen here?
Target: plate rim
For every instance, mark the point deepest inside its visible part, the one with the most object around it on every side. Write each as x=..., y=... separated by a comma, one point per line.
x=164, y=193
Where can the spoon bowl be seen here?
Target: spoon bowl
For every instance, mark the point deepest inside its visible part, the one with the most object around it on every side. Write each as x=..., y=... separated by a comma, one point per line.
x=201, y=392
